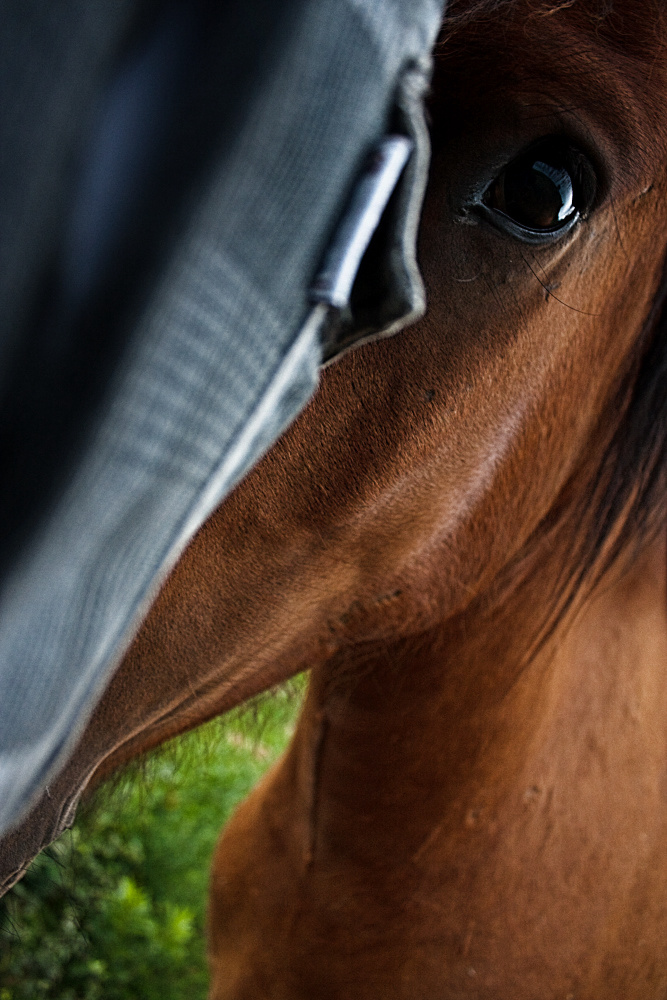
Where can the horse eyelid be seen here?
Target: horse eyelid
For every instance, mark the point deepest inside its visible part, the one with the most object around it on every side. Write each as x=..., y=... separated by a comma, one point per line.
x=537, y=237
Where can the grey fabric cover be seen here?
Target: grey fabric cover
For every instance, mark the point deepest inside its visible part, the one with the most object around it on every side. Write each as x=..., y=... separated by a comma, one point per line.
x=222, y=359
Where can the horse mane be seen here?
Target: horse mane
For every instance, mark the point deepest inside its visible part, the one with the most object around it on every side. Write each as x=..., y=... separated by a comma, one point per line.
x=623, y=504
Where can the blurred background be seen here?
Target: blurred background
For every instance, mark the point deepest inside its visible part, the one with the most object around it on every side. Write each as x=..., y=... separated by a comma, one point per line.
x=116, y=908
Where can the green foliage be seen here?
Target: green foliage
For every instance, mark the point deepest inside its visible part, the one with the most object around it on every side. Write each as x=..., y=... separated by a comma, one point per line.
x=115, y=909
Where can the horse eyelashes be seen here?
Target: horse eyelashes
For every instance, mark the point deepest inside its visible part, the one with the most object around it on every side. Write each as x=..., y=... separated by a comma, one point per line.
x=540, y=195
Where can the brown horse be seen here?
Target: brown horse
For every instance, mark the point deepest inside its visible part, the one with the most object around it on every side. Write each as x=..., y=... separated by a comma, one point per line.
x=464, y=538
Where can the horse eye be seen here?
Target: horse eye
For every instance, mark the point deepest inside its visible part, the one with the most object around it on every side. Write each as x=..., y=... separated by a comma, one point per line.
x=543, y=192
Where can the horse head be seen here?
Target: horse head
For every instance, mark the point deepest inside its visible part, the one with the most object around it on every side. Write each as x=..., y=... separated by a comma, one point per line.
x=461, y=538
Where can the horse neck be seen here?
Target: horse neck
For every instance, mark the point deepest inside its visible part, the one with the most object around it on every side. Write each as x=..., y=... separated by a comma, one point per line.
x=436, y=732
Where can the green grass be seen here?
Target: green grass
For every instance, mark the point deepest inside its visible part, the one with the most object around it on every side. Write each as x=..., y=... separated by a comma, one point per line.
x=115, y=909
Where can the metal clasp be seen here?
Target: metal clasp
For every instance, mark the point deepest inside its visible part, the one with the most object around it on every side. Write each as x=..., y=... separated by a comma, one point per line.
x=374, y=187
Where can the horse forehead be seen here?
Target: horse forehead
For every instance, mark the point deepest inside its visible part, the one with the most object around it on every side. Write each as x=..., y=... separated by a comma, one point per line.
x=600, y=67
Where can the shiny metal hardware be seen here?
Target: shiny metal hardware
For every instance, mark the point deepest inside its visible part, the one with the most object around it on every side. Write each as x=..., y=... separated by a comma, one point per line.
x=374, y=187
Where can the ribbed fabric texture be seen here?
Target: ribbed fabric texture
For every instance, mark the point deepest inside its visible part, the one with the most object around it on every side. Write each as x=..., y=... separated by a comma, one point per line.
x=218, y=366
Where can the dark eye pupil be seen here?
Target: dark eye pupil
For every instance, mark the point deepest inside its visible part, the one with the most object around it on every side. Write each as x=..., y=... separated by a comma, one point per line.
x=534, y=193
